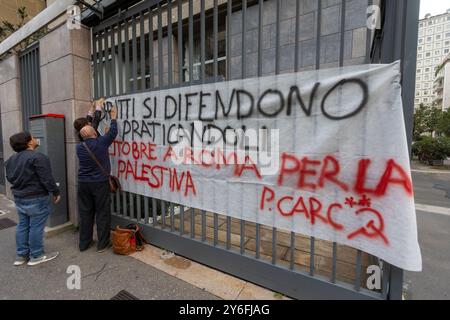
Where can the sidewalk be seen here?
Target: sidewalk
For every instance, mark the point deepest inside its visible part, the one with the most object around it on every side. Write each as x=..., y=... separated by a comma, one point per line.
x=103, y=275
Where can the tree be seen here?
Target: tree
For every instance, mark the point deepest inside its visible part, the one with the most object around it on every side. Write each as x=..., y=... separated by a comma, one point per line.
x=426, y=120
x=7, y=28
x=443, y=125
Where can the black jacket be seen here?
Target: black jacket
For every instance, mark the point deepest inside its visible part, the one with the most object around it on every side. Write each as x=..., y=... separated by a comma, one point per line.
x=30, y=174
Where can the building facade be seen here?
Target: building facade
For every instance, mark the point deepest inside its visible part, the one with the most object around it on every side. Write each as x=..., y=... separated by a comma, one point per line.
x=442, y=84
x=433, y=47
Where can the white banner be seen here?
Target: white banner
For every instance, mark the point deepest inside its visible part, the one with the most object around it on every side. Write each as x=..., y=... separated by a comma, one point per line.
x=322, y=153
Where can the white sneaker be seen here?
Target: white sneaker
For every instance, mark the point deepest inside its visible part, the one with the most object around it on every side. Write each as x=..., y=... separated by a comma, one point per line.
x=44, y=258
x=20, y=261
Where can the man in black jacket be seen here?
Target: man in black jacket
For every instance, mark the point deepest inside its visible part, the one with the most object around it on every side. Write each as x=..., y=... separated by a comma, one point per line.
x=30, y=175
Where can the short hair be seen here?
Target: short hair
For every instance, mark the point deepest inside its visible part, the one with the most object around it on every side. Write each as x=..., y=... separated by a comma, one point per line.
x=80, y=123
x=19, y=141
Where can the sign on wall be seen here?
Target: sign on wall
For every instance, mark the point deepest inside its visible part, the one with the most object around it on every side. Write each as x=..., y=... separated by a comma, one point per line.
x=321, y=153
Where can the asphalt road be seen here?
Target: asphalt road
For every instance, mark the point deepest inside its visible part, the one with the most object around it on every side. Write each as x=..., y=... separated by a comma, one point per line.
x=432, y=197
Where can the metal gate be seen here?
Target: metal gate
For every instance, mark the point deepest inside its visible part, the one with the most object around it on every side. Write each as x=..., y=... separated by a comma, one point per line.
x=2, y=161
x=30, y=83
x=159, y=44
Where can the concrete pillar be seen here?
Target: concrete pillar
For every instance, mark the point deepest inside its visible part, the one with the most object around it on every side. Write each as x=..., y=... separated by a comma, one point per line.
x=66, y=89
x=11, y=115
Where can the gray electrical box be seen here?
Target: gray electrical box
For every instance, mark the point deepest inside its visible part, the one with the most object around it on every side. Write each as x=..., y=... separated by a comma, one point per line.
x=49, y=130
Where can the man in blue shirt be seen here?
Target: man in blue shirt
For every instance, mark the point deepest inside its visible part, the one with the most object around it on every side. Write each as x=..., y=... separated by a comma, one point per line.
x=93, y=185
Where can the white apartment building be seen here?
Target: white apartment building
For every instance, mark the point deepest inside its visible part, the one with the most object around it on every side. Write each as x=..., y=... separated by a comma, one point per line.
x=442, y=85
x=433, y=47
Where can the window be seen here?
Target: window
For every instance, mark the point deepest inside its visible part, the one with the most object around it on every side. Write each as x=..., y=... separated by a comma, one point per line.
x=425, y=99
x=418, y=86
x=438, y=37
x=437, y=53
x=419, y=70
x=446, y=51
x=430, y=23
x=419, y=56
x=426, y=85
x=447, y=35
x=421, y=24
x=420, y=40
x=429, y=39
x=447, y=43
x=428, y=54
x=426, y=78
x=427, y=69
x=209, y=51
x=425, y=93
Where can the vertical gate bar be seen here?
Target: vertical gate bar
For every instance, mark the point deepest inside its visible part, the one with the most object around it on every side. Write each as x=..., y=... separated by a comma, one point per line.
x=111, y=199
x=181, y=220
x=154, y=212
x=368, y=38
x=132, y=212
x=169, y=44
x=203, y=225
x=216, y=41
x=228, y=48
x=163, y=213
x=101, y=91
x=319, y=31
x=134, y=50
x=244, y=32
x=385, y=280
x=124, y=204
x=292, y=252
x=192, y=223
x=107, y=65
x=333, y=270
x=358, y=271
x=142, y=47
x=228, y=233
x=138, y=209
x=274, y=246
x=172, y=217
x=260, y=35
x=202, y=39
x=127, y=58
x=38, y=81
x=150, y=47
x=94, y=62
x=342, y=46
x=242, y=238
x=160, y=48
x=216, y=227
x=258, y=241
x=120, y=55
x=180, y=41
x=32, y=106
x=113, y=61
x=146, y=213
x=311, y=255
x=277, y=39
x=118, y=202
x=191, y=40
x=297, y=35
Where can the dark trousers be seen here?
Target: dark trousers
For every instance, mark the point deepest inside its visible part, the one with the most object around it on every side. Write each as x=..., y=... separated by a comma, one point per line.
x=94, y=202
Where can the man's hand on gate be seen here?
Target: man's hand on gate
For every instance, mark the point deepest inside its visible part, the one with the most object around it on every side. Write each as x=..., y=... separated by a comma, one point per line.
x=113, y=113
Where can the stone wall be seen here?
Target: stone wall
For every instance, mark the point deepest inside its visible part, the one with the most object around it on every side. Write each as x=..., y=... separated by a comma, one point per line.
x=11, y=115
x=66, y=89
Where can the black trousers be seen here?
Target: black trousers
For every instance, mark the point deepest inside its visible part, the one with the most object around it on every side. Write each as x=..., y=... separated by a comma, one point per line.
x=94, y=203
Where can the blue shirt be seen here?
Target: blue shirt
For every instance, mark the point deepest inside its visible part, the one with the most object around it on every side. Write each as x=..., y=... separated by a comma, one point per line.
x=88, y=169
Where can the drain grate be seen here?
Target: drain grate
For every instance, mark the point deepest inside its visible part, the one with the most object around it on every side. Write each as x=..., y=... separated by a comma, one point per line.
x=6, y=223
x=124, y=295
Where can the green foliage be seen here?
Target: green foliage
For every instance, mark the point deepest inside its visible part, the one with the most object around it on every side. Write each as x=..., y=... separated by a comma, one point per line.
x=443, y=125
x=429, y=149
x=7, y=28
x=428, y=120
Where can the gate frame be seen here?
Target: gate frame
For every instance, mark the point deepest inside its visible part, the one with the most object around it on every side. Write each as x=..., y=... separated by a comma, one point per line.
x=397, y=40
